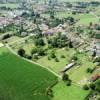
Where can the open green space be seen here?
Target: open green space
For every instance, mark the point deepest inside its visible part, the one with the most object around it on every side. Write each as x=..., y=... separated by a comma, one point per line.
x=73, y=92
x=78, y=72
x=57, y=66
x=21, y=80
x=87, y=18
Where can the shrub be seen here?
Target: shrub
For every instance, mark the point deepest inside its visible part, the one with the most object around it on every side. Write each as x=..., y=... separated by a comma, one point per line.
x=36, y=57
x=85, y=87
x=92, y=86
x=68, y=83
x=21, y=52
x=65, y=77
x=34, y=50
x=49, y=58
x=6, y=36
x=62, y=56
x=56, y=59
x=53, y=54
x=89, y=70
x=74, y=58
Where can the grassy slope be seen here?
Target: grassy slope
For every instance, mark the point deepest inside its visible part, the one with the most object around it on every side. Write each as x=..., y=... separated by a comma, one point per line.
x=20, y=80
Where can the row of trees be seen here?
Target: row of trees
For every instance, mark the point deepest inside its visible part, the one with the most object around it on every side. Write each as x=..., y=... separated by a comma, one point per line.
x=66, y=79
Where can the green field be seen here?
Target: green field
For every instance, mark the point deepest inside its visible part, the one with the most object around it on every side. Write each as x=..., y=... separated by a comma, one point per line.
x=73, y=92
x=21, y=80
x=87, y=18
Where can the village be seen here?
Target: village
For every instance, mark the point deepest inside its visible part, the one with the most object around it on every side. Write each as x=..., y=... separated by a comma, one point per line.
x=61, y=36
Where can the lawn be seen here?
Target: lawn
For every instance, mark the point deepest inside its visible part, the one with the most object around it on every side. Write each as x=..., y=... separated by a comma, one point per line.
x=87, y=18
x=73, y=92
x=57, y=66
x=21, y=80
x=78, y=73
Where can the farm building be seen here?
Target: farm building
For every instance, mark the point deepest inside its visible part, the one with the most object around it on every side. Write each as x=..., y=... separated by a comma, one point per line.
x=68, y=66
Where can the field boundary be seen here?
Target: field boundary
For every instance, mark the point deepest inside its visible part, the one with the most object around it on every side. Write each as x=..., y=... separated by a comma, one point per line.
x=9, y=48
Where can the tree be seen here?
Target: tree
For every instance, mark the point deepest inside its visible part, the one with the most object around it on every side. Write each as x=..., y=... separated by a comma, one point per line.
x=62, y=56
x=34, y=50
x=21, y=52
x=85, y=87
x=52, y=14
x=65, y=77
x=53, y=55
x=56, y=59
x=41, y=52
x=75, y=58
x=70, y=44
x=92, y=86
x=6, y=36
x=97, y=85
x=35, y=57
x=68, y=83
x=89, y=70
x=70, y=20
x=94, y=54
x=39, y=42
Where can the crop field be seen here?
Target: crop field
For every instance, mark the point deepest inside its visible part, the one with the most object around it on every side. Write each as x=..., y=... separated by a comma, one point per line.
x=21, y=80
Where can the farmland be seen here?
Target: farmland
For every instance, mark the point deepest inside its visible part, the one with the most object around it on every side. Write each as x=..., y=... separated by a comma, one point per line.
x=20, y=80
